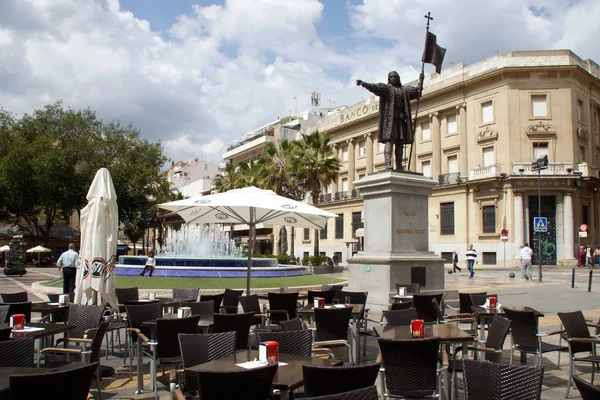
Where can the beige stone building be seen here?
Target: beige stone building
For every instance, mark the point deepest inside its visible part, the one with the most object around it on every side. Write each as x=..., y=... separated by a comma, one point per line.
x=479, y=127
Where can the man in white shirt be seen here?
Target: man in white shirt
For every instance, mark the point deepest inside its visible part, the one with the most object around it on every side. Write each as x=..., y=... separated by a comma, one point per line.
x=67, y=264
x=526, y=254
x=471, y=257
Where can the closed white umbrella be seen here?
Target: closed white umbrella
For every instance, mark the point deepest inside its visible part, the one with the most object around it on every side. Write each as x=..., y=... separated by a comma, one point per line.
x=4, y=248
x=95, y=282
x=249, y=206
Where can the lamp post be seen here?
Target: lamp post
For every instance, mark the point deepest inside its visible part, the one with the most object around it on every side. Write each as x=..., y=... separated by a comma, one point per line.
x=538, y=165
x=295, y=192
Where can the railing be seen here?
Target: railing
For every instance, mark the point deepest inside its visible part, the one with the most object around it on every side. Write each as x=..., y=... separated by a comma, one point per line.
x=554, y=168
x=450, y=178
x=266, y=131
x=489, y=171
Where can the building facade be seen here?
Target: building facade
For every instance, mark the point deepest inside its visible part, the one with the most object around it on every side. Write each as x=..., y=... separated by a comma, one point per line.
x=478, y=129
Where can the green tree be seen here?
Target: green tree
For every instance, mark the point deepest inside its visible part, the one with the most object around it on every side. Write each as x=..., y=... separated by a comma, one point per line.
x=316, y=165
x=15, y=259
x=277, y=169
x=229, y=179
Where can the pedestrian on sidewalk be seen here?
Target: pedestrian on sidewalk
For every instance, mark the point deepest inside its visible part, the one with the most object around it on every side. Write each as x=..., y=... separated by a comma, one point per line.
x=471, y=258
x=597, y=256
x=67, y=265
x=455, y=262
x=149, y=264
x=588, y=257
x=526, y=254
x=581, y=257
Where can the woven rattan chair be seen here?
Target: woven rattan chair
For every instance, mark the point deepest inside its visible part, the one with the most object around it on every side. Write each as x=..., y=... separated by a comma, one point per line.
x=84, y=317
x=321, y=380
x=400, y=317
x=16, y=352
x=217, y=298
x=136, y=315
x=54, y=297
x=586, y=389
x=251, y=304
x=331, y=328
x=290, y=342
x=19, y=308
x=402, y=305
x=238, y=323
x=411, y=367
x=479, y=299
x=492, y=347
x=363, y=318
x=231, y=301
x=525, y=336
x=18, y=297
x=89, y=354
x=59, y=316
x=327, y=295
x=126, y=294
x=188, y=295
x=4, y=313
x=200, y=348
x=579, y=341
x=425, y=308
x=491, y=381
x=64, y=384
x=335, y=288
x=369, y=393
x=202, y=308
x=282, y=306
x=249, y=384
x=295, y=324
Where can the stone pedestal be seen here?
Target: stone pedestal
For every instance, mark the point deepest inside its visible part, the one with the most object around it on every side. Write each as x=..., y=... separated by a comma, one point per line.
x=396, y=247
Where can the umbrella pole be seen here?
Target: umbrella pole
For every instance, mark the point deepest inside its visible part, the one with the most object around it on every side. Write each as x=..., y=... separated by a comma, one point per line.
x=251, y=236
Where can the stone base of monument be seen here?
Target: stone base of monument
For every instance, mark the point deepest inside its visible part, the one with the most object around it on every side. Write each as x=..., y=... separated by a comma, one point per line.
x=396, y=245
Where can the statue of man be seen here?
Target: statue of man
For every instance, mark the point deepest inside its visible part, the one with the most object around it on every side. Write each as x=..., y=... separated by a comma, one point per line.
x=395, y=118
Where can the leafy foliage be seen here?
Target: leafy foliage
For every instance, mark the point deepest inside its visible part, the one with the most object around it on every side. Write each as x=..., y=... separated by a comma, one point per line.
x=15, y=259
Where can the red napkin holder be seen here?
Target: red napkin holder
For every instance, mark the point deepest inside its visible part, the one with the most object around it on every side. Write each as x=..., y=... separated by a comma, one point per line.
x=493, y=301
x=269, y=351
x=321, y=302
x=18, y=321
x=417, y=328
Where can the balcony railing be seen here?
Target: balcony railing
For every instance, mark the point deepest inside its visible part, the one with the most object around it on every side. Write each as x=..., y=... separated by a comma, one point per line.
x=489, y=171
x=450, y=178
x=339, y=196
x=554, y=168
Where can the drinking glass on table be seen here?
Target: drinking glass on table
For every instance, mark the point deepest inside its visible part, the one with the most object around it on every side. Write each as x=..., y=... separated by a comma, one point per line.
x=347, y=300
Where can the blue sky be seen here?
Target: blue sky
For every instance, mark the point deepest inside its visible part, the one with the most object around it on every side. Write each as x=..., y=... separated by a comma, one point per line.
x=196, y=74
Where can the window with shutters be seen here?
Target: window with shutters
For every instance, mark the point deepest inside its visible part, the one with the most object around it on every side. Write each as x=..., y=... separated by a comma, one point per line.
x=447, y=218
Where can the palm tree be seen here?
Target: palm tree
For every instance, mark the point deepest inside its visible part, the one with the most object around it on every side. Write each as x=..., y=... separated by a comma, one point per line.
x=315, y=163
x=252, y=173
x=229, y=179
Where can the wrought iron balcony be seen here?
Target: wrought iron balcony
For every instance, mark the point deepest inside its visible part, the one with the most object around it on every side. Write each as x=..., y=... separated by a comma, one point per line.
x=449, y=178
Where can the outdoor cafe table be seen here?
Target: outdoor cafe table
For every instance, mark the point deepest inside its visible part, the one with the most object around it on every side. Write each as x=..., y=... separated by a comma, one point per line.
x=288, y=377
x=50, y=308
x=42, y=331
x=397, y=298
x=309, y=311
x=485, y=315
x=448, y=334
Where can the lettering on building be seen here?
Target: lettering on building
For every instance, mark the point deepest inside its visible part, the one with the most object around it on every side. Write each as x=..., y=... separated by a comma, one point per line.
x=358, y=112
x=410, y=231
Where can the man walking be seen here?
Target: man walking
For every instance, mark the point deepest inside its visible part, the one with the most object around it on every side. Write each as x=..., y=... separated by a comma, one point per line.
x=67, y=264
x=455, y=262
x=471, y=257
x=526, y=254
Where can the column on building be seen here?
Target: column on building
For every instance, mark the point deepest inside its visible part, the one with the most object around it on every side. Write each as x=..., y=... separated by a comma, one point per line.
x=519, y=214
x=369, y=148
x=569, y=228
x=351, y=165
x=334, y=183
x=436, y=144
x=462, y=131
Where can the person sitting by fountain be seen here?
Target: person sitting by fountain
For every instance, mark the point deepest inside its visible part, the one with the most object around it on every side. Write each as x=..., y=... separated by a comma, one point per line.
x=149, y=264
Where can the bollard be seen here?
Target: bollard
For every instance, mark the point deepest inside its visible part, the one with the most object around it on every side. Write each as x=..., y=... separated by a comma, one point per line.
x=590, y=280
x=573, y=279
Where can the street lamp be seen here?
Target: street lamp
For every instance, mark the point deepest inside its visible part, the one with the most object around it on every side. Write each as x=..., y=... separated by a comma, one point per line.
x=538, y=165
x=295, y=192
x=505, y=192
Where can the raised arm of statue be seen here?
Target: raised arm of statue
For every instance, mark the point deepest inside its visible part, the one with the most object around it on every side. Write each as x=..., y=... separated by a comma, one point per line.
x=378, y=89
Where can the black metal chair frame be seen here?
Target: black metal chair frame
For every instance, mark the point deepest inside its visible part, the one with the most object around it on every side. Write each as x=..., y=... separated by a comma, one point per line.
x=282, y=307
x=231, y=301
x=325, y=380
x=331, y=328
x=400, y=317
x=18, y=297
x=187, y=294
x=369, y=393
x=586, y=389
x=239, y=323
x=425, y=308
x=17, y=352
x=217, y=298
x=248, y=384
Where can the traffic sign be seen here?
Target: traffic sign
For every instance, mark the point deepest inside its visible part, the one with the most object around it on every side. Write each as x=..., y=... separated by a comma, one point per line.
x=583, y=228
x=583, y=234
x=540, y=224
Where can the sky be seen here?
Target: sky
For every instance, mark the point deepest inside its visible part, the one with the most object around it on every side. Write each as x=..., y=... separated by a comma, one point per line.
x=196, y=74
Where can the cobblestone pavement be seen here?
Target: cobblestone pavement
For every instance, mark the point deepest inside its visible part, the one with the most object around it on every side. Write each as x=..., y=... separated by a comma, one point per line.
x=553, y=295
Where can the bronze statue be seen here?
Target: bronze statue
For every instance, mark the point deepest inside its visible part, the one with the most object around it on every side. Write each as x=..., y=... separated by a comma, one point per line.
x=395, y=118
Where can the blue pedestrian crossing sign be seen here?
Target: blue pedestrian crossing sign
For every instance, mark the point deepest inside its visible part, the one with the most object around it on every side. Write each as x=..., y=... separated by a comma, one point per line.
x=540, y=224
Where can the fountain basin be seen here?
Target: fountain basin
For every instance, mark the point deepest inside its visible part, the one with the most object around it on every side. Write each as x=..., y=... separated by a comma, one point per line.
x=197, y=267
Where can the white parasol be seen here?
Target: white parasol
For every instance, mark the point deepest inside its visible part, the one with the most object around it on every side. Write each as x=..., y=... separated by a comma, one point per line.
x=95, y=282
x=4, y=248
x=38, y=249
x=249, y=206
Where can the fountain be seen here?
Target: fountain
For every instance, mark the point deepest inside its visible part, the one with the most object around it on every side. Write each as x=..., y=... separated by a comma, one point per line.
x=204, y=250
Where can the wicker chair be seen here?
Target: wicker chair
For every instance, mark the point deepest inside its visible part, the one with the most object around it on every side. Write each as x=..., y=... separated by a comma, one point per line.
x=4, y=313
x=250, y=384
x=238, y=323
x=334, y=288
x=491, y=381
x=295, y=324
x=479, y=299
x=579, y=341
x=369, y=393
x=71, y=384
x=136, y=315
x=332, y=328
x=217, y=298
x=126, y=294
x=411, y=367
x=54, y=297
x=19, y=308
x=91, y=355
x=251, y=304
x=282, y=306
x=327, y=295
x=525, y=336
x=202, y=308
x=492, y=348
x=586, y=389
x=5, y=332
x=402, y=305
x=85, y=318
x=425, y=308
x=188, y=295
x=17, y=352
x=231, y=301
x=321, y=380
x=200, y=348
x=59, y=316
x=363, y=319
x=400, y=317
x=290, y=342
x=19, y=297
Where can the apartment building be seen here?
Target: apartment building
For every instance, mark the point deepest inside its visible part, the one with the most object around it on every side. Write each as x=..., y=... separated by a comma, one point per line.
x=478, y=129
